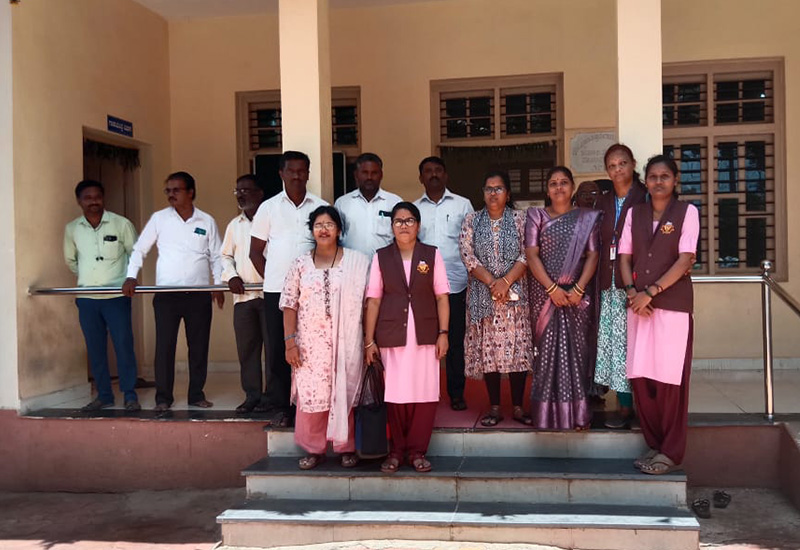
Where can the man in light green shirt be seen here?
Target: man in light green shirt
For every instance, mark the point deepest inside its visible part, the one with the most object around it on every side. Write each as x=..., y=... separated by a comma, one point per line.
x=97, y=247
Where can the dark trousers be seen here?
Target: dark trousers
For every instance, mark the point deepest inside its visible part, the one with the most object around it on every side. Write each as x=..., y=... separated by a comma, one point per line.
x=410, y=426
x=455, y=351
x=98, y=319
x=194, y=308
x=664, y=409
x=279, y=374
x=250, y=327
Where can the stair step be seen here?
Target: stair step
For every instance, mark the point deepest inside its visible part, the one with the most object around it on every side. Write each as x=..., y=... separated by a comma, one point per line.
x=471, y=479
x=521, y=443
x=267, y=523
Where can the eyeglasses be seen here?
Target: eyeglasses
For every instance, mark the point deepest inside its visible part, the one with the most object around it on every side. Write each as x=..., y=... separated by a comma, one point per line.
x=173, y=190
x=244, y=191
x=324, y=225
x=494, y=190
x=408, y=222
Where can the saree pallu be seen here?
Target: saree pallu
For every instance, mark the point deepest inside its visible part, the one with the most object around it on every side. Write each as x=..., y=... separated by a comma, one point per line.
x=561, y=366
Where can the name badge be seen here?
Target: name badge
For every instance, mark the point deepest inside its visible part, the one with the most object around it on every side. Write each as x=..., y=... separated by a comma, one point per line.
x=612, y=252
x=110, y=238
x=384, y=214
x=199, y=230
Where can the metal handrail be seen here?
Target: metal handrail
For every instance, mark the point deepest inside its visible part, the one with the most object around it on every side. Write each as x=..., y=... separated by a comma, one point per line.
x=768, y=285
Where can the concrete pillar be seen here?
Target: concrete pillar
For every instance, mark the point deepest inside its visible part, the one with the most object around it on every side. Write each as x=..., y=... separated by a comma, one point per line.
x=306, y=87
x=639, y=77
x=9, y=372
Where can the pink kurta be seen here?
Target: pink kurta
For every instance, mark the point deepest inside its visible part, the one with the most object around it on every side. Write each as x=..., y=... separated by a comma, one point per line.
x=412, y=371
x=657, y=344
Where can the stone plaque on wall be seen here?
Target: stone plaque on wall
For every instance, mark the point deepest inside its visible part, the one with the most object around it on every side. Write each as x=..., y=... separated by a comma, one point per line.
x=587, y=150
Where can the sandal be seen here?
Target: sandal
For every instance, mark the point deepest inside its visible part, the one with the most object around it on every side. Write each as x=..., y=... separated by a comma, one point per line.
x=520, y=416
x=644, y=459
x=349, y=460
x=702, y=508
x=390, y=465
x=421, y=464
x=721, y=499
x=311, y=461
x=584, y=428
x=660, y=464
x=493, y=417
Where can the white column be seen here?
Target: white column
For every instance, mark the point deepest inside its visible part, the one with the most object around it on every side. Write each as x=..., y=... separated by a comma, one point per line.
x=9, y=372
x=639, y=77
x=306, y=87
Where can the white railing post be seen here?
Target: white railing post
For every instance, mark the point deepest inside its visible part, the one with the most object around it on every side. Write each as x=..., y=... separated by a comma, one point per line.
x=766, y=323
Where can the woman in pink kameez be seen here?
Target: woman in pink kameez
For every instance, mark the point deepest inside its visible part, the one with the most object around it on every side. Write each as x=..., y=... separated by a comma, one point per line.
x=322, y=303
x=407, y=316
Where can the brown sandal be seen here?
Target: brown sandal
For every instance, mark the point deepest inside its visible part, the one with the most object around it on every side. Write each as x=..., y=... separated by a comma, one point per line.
x=311, y=461
x=421, y=464
x=493, y=417
x=349, y=460
x=520, y=416
x=390, y=465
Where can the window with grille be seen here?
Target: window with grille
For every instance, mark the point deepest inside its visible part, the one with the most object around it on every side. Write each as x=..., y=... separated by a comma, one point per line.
x=727, y=144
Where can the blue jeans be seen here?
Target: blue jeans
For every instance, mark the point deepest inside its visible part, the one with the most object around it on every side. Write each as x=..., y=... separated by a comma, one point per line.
x=98, y=318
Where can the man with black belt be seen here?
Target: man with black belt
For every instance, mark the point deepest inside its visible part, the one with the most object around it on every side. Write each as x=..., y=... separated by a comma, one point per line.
x=442, y=214
x=188, y=249
x=280, y=234
x=249, y=317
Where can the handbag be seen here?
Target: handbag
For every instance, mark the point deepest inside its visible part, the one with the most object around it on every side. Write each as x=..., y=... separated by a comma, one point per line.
x=372, y=440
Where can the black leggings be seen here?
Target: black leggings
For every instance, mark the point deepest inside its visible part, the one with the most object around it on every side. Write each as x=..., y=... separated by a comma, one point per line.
x=517, y=380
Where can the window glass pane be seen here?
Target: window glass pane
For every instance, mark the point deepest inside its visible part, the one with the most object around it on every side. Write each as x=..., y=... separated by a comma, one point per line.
x=756, y=241
x=755, y=176
x=754, y=89
x=727, y=112
x=541, y=103
x=688, y=92
x=345, y=136
x=728, y=247
x=541, y=124
x=516, y=125
x=455, y=108
x=516, y=104
x=754, y=111
x=344, y=115
x=668, y=115
x=669, y=150
x=268, y=139
x=268, y=117
x=691, y=169
x=667, y=93
x=480, y=106
x=481, y=127
x=727, y=91
x=457, y=128
x=699, y=259
x=727, y=167
x=688, y=115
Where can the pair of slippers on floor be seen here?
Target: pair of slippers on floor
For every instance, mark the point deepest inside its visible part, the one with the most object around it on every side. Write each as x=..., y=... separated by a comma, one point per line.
x=702, y=507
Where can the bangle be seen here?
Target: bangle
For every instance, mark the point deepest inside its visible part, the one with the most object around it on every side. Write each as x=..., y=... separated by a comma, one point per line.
x=506, y=280
x=579, y=289
x=552, y=288
x=287, y=338
x=629, y=287
x=647, y=291
x=369, y=345
x=444, y=331
x=659, y=287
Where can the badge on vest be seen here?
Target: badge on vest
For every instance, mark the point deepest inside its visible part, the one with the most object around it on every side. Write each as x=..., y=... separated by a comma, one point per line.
x=199, y=230
x=667, y=228
x=384, y=214
x=110, y=238
x=423, y=267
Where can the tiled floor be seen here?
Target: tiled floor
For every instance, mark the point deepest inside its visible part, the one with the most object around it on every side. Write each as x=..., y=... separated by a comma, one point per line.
x=711, y=392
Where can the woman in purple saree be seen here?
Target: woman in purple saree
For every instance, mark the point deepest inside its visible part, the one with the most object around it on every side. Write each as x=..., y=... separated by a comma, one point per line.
x=561, y=245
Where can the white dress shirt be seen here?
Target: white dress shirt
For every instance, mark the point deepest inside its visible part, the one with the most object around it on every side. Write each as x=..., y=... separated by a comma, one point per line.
x=367, y=224
x=284, y=227
x=236, y=257
x=187, y=250
x=441, y=227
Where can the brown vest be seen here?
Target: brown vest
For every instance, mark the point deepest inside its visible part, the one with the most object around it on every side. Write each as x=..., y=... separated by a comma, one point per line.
x=397, y=294
x=608, y=231
x=654, y=254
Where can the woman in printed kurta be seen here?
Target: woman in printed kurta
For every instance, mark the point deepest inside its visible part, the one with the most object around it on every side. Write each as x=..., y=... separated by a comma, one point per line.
x=657, y=250
x=407, y=316
x=322, y=303
x=561, y=243
x=498, y=338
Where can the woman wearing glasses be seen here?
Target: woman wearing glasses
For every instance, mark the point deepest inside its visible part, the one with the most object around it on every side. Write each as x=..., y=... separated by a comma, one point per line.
x=498, y=336
x=561, y=244
x=406, y=324
x=322, y=303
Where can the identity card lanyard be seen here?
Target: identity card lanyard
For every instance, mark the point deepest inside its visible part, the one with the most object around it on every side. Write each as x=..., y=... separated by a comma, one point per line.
x=618, y=209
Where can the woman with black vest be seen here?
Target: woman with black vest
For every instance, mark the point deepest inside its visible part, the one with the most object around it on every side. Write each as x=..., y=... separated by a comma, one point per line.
x=656, y=253
x=406, y=322
x=627, y=191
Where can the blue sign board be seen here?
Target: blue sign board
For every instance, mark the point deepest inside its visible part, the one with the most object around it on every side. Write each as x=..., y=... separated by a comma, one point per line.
x=119, y=126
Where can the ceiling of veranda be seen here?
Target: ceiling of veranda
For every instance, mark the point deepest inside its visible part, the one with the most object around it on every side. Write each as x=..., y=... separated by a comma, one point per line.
x=198, y=9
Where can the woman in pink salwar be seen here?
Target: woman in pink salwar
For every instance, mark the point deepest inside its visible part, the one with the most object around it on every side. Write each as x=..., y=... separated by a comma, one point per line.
x=656, y=252
x=406, y=322
x=322, y=303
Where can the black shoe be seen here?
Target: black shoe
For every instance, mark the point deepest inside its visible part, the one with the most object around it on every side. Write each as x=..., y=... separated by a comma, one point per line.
x=132, y=406
x=161, y=407
x=141, y=383
x=246, y=407
x=96, y=405
x=458, y=404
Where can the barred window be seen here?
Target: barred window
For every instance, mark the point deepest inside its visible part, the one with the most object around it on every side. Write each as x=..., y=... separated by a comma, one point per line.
x=730, y=161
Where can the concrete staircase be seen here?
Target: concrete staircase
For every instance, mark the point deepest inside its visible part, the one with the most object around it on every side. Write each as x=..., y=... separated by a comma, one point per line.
x=570, y=490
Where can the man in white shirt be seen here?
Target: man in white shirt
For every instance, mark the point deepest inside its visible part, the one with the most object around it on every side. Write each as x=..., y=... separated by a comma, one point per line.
x=249, y=320
x=442, y=213
x=367, y=211
x=280, y=234
x=188, y=249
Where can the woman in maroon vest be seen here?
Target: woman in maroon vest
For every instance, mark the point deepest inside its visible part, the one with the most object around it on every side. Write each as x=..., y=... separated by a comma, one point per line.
x=561, y=245
x=406, y=322
x=656, y=252
x=612, y=341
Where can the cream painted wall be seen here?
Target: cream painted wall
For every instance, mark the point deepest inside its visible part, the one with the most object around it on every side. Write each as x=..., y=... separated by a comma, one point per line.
x=74, y=63
x=728, y=317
